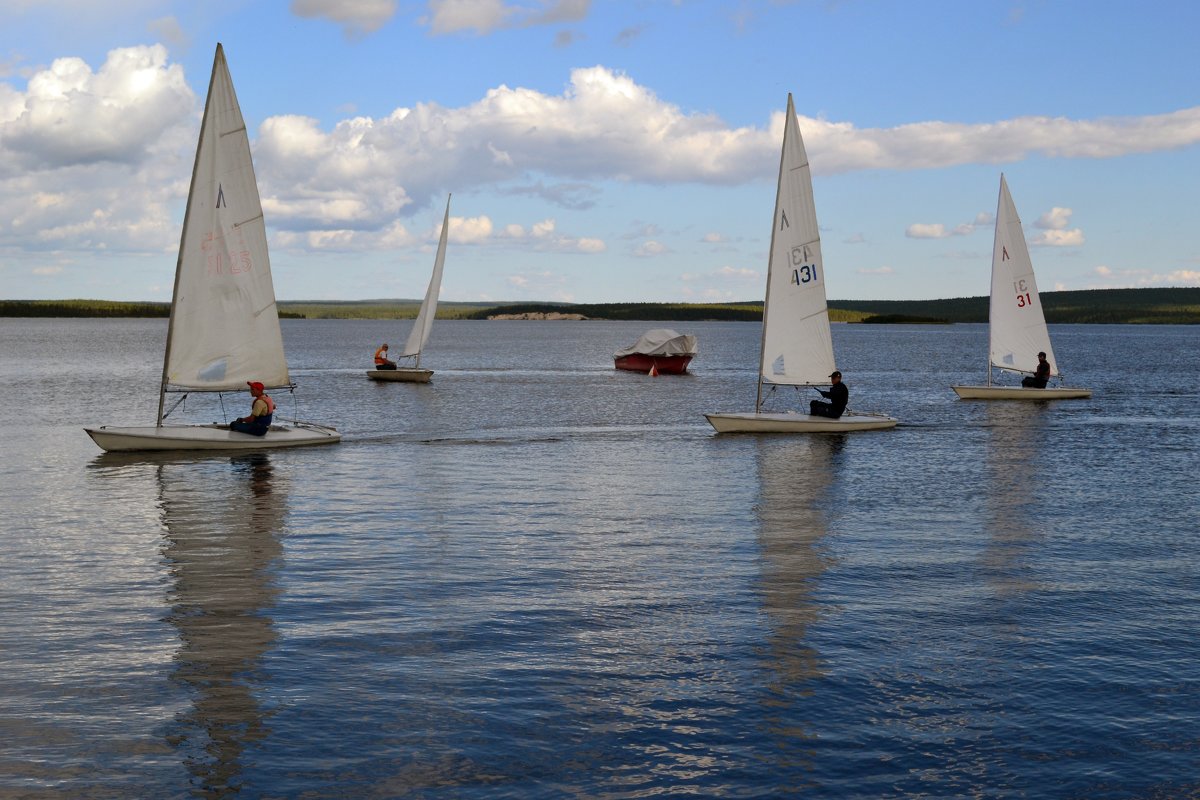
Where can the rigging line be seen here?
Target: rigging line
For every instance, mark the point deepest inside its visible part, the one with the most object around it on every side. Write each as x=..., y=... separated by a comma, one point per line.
x=175, y=406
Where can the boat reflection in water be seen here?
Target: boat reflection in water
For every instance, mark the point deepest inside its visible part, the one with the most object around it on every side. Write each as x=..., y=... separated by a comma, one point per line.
x=795, y=474
x=222, y=529
x=1012, y=455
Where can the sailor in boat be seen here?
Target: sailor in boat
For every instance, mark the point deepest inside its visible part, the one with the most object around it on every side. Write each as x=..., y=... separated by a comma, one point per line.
x=838, y=396
x=1041, y=377
x=261, y=412
x=381, y=359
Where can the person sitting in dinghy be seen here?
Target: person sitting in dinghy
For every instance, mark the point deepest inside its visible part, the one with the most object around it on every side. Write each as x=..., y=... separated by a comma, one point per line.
x=838, y=395
x=381, y=359
x=1041, y=377
x=261, y=412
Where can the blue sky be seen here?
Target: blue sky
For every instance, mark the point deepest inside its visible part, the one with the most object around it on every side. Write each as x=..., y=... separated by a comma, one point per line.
x=605, y=151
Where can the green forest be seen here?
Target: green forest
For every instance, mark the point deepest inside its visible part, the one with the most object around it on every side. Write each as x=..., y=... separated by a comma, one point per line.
x=1128, y=306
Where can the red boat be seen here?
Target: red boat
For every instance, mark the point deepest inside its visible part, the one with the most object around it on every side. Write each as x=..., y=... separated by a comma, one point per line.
x=661, y=350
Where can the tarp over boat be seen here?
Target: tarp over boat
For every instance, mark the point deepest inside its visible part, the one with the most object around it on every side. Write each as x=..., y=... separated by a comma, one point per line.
x=661, y=342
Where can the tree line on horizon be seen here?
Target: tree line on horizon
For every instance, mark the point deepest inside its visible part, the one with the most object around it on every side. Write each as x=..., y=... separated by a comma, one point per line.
x=1128, y=306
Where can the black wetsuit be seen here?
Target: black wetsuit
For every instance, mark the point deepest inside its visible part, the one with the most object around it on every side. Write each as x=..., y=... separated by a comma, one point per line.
x=838, y=396
x=1039, y=378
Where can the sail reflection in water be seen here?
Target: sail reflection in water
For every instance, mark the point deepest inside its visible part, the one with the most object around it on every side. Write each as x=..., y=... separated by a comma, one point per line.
x=222, y=530
x=794, y=477
x=1014, y=433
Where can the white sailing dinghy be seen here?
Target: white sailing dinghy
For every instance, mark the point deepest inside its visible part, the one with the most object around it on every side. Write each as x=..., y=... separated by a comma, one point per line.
x=419, y=335
x=1016, y=324
x=224, y=327
x=797, y=347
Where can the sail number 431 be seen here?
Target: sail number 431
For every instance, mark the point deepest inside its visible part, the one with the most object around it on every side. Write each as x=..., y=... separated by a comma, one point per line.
x=804, y=274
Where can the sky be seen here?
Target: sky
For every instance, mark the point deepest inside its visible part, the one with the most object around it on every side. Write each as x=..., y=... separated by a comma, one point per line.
x=605, y=150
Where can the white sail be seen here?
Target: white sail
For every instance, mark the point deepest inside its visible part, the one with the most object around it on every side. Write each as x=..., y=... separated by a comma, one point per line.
x=1018, y=326
x=797, y=348
x=224, y=328
x=419, y=334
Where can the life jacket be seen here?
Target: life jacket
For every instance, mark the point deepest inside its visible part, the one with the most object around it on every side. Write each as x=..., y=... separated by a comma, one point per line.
x=266, y=418
x=379, y=357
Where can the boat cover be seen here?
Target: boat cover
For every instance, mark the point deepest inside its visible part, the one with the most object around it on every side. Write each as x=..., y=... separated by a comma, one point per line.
x=661, y=342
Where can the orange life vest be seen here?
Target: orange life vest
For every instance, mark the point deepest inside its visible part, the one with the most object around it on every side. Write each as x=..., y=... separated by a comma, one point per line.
x=379, y=357
x=270, y=406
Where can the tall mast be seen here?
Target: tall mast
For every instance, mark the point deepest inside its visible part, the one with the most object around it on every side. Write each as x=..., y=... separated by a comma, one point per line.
x=762, y=345
x=162, y=388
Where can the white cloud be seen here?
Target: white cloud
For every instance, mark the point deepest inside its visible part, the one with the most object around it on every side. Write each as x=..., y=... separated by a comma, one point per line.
x=467, y=230
x=543, y=237
x=70, y=115
x=1143, y=278
x=855, y=238
x=926, y=231
x=47, y=270
x=109, y=152
x=836, y=147
x=938, y=230
x=357, y=18
x=1056, y=219
x=876, y=271
x=712, y=237
x=1058, y=238
x=650, y=249
x=486, y=16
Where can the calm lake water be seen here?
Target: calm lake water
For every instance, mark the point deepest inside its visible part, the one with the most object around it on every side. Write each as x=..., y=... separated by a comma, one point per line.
x=537, y=577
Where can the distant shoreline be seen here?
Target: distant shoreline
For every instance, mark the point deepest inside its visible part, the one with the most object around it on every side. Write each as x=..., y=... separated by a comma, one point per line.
x=1107, y=306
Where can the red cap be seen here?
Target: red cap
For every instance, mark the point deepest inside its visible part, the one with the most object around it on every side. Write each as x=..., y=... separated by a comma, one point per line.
x=256, y=385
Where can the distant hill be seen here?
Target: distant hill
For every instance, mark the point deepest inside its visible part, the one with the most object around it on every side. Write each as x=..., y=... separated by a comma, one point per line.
x=1140, y=306
x=1130, y=306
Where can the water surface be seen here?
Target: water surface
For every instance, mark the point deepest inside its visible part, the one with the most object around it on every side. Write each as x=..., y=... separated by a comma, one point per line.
x=539, y=577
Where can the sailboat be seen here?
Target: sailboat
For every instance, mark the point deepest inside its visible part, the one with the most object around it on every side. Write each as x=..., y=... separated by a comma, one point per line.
x=797, y=347
x=1016, y=323
x=224, y=327
x=419, y=335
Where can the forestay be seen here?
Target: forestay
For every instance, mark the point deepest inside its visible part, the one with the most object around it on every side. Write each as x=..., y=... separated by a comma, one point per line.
x=797, y=346
x=419, y=334
x=224, y=328
x=1018, y=327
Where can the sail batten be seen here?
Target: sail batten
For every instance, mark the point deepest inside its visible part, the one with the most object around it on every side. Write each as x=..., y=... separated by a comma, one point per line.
x=224, y=321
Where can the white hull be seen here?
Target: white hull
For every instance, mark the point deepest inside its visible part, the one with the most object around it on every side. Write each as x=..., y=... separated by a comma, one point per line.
x=209, y=437
x=792, y=422
x=406, y=374
x=1019, y=393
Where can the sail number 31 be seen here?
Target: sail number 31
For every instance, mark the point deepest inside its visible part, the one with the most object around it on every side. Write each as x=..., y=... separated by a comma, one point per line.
x=1023, y=298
